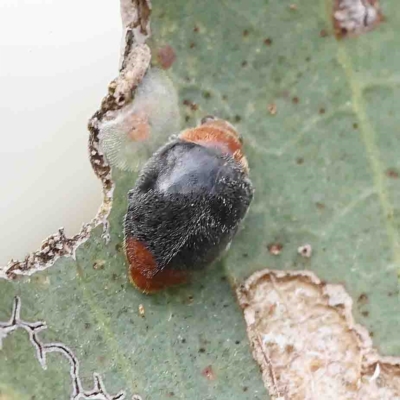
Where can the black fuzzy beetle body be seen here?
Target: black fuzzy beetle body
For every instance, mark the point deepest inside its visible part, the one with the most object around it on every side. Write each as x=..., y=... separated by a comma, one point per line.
x=186, y=205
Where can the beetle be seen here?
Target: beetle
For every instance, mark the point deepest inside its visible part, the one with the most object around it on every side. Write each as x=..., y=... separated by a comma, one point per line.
x=186, y=205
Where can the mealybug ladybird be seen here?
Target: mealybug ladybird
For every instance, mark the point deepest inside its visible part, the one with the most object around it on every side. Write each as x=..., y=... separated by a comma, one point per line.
x=186, y=205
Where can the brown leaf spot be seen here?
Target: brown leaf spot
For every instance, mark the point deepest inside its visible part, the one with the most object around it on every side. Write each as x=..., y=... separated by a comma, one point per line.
x=275, y=248
x=362, y=299
x=208, y=373
x=268, y=41
x=365, y=313
x=323, y=33
x=272, y=108
x=305, y=250
x=166, y=56
x=392, y=173
x=193, y=106
x=99, y=264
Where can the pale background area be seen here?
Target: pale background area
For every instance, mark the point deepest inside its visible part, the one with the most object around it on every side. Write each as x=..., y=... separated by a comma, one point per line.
x=56, y=59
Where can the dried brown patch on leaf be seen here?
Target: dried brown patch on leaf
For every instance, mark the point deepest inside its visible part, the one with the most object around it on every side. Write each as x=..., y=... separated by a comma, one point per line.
x=275, y=248
x=52, y=248
x=166, y=56
x=135, y=62
x=354, y=17
x=306, y=341
x=135, y=15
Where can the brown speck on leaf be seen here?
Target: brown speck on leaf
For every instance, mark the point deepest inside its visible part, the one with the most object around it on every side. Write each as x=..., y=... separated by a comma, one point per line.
x=166, y=56
x=208, y=373
x=322, y=110
x=392, y=173
x=289, y=348
x=293, y=7
x=316, y=364
x=141, y=310
x=305, y=250
x=268, y=41
x=275, y=248
x=299, y=160
x=245, y=33
x=237, y=118
x=192, y=45
x=193, y=106
x=101, y=359
x=320, y=206
x=99, y=264
x=365, y=313
x=323, y=33
x=362, y=299
x=196, y=29
x=272, y=109
x=244, y=63
x=295, y=100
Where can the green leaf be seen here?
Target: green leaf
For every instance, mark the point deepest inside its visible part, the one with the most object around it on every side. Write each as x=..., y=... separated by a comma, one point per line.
x=325, y=169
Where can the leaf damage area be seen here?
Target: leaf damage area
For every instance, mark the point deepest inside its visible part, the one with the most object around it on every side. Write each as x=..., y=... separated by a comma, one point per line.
x=307, y=344
x=355, y=17
x=135, y=62
x=42, y=349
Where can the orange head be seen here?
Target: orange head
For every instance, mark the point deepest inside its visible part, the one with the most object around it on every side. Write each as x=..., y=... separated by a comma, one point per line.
x=218, y=133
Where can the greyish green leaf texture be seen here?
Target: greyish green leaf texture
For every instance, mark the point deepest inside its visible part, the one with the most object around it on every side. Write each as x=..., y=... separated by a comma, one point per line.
x=319, y=117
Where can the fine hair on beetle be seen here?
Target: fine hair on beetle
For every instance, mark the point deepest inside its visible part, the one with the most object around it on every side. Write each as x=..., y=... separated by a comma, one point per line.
x=186, y=205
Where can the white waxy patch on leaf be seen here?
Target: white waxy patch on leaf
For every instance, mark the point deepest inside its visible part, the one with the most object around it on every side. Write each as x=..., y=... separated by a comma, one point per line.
x=131, y=135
